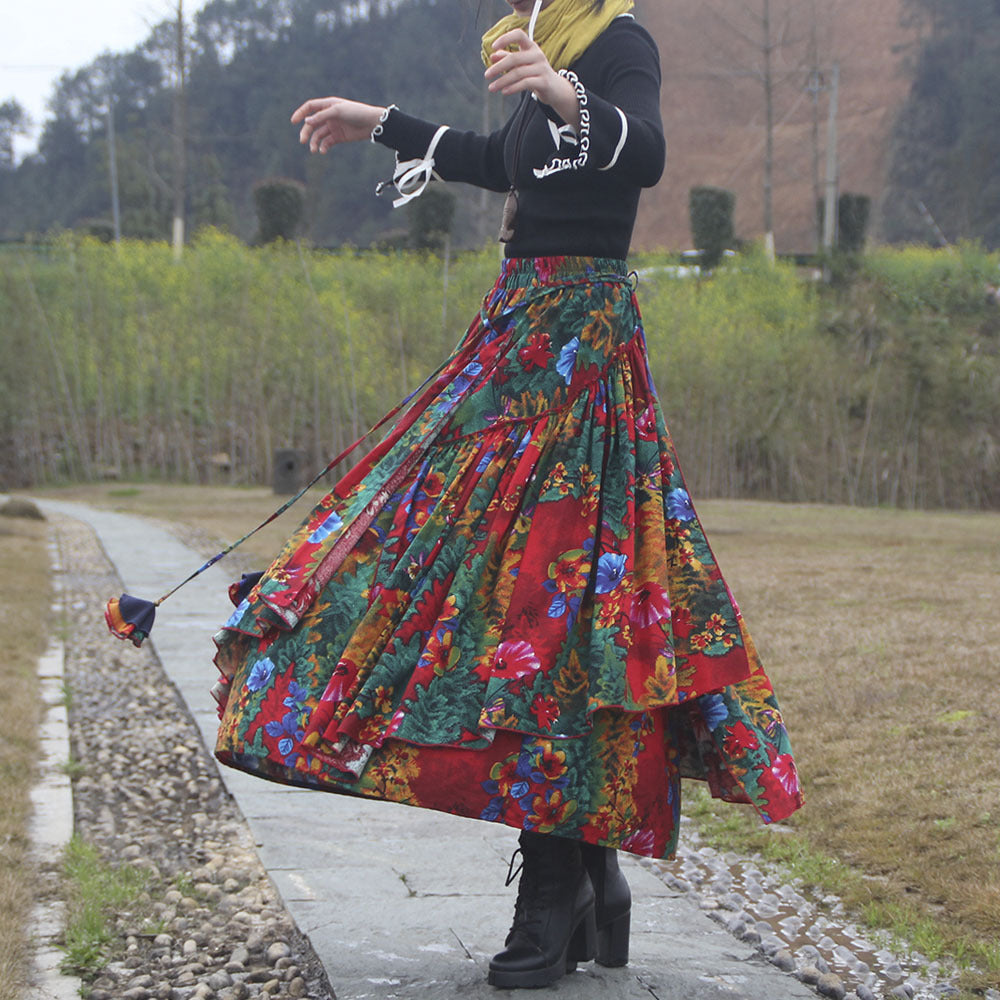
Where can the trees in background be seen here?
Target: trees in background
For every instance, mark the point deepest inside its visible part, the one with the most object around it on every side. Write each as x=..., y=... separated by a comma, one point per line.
x=13, y=122
x=944, y=181
x=248, y=64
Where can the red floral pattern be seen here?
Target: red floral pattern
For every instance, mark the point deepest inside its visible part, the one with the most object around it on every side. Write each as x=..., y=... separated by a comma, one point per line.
x=508, y=608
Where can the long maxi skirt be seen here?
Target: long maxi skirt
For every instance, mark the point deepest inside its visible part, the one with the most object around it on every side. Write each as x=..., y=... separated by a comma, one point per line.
x=508, y=608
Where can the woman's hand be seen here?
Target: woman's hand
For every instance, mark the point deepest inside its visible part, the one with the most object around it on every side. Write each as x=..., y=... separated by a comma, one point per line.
x=327, y=121
x=528, y=69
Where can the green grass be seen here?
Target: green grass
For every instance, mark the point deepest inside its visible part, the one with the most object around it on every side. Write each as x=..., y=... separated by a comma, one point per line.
x=73, y=768
x=736, y=829
x=24, y=603
x=95, y=891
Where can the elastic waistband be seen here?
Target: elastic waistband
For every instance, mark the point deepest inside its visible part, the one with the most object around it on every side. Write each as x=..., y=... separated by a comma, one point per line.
x=527, y=272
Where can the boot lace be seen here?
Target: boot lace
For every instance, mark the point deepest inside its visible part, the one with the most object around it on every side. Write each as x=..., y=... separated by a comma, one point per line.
x=534, y=894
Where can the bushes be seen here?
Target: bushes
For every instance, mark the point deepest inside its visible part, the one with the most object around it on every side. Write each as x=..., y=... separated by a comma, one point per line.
x=431, y=217
x=280, y=204
x=132, y=365
x=884, y=391
x=736, y=360
x=853, y=213
x=711, y=212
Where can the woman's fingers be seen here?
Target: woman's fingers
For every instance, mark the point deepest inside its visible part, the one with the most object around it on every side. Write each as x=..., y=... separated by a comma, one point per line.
x=524, y=68
x=311, y=107
x=321, y=138
x=518, y=37
x=327, y=121
x=515, y=80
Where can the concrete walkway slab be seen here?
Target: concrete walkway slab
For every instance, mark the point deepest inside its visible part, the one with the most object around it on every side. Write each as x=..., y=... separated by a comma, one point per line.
x=401, y=902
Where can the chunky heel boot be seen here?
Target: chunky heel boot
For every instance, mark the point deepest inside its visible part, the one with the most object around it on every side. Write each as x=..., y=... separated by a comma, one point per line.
x=554, y=924
x=612, y=904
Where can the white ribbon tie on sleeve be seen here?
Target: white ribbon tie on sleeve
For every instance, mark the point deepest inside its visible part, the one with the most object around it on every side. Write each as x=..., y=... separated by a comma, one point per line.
x=411, y=177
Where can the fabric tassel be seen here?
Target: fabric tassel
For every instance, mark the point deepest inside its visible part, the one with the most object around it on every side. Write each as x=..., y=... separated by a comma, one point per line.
x=130, y=618
x=239, y=590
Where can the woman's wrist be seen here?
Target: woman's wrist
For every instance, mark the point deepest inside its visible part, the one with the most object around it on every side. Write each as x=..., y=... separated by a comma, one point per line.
x=564, y=101
x=383, y=116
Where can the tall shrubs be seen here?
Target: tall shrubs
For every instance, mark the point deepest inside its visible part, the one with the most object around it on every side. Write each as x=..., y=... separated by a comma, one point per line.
x=280, y=204
x=883, y=391
x=431, y=218
x=853, y=216
x=122, y=362
x=736, y=360
x=129, y=364
x=711, y=213
x=853, y=213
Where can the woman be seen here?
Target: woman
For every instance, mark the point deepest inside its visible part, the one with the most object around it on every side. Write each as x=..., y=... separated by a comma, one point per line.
x=508, y=609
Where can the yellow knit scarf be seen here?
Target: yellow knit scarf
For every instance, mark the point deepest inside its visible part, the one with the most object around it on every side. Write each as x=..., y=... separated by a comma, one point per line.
x=564, y=30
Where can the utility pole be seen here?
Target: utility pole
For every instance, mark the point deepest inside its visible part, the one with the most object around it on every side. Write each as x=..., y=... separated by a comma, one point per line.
x=769, y=152
x=116, y=217
x=180, y=143
x=830, y=200
x=814, y=88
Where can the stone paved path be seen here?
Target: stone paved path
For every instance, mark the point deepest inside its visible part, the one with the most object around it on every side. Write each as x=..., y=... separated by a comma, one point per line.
x=401, y=902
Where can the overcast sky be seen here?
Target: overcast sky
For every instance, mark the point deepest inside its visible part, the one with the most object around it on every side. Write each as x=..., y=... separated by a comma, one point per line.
x=41, y=39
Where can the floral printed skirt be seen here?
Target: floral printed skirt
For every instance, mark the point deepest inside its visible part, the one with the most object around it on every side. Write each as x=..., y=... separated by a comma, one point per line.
x=508, y=608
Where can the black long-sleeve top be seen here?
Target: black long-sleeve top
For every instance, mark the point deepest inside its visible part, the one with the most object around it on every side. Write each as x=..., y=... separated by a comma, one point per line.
x=577, y=194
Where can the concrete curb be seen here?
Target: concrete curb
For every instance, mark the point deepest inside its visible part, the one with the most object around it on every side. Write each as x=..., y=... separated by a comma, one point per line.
x=52, y=801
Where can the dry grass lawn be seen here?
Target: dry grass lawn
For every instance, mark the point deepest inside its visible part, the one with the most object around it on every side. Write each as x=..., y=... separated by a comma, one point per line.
x=882, y=634
x=24, y=614
x=881, y=631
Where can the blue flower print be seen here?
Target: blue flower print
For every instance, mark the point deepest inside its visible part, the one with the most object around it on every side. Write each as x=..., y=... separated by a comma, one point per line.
x=296, y=696
x=333, y=523
x=234, y=618
x=610, y=570
x=519, y=789
x=567, y=359
x=485, y=460
x=679, y=506
x=713, y=710
x=260, y=674
x=465, y=378
x=494, y=810
x=558, y=606
x=290, y=733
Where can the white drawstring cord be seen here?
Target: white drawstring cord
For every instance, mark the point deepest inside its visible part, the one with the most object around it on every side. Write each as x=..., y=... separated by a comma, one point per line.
x=534, y=19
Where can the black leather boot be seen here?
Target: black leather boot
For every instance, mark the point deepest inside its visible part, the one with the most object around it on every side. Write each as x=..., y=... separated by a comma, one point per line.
x=612, y=904
x=553, y=925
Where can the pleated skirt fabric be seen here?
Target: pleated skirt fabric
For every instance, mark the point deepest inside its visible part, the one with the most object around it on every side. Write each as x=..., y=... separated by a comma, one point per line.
x=508, y=608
